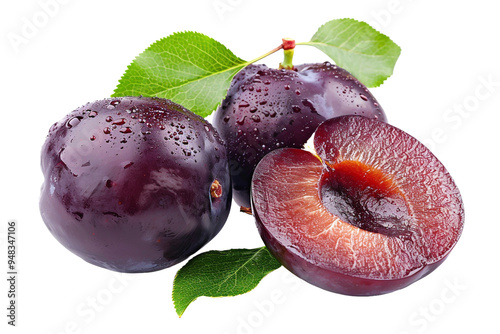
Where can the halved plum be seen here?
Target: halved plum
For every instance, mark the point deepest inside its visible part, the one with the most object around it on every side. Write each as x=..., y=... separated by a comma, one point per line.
x=373, y=212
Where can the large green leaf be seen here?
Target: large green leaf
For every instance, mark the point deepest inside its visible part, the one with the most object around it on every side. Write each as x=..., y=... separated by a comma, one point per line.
x=188, y=68
x=221, y=274
x=355, y=46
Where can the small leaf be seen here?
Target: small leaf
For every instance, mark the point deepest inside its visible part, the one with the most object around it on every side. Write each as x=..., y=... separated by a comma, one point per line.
x=355, y=46
x=188, y=68
x=221, y=274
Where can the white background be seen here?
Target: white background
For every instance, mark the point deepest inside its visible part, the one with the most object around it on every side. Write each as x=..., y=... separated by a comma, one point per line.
x=445, y=91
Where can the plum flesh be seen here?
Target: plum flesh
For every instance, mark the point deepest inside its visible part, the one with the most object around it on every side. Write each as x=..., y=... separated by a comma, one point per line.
x=134, y=184
x=266, y=109
x=372, y=213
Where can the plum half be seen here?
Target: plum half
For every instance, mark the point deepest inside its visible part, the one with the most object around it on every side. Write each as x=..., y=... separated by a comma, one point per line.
x=266, y=109
x=371, y=213
x=134, y=184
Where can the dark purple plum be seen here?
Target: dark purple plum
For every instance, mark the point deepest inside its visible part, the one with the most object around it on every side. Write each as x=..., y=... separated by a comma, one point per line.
x=134, y=184
x=266, y=109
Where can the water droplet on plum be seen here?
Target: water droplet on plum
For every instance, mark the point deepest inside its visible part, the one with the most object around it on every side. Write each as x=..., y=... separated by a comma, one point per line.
x=126, y=130
x=241, y=121
x=121, y=121
x=74, y=121
x=256, y=118
x=113, y=104
x=309, y=104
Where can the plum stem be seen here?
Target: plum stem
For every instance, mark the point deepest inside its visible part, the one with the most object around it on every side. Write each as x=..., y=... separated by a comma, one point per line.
x=279, y=47
x=288, y=50
x=288, y=46
x=215, y=189
x=246, y=210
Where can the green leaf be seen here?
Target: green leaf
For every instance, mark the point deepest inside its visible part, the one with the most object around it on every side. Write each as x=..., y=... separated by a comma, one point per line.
x=221, y=274
x=188, y=68
x=355, y=46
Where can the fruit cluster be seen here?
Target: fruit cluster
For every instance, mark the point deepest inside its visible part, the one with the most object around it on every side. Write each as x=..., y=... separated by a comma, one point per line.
x=137, y=184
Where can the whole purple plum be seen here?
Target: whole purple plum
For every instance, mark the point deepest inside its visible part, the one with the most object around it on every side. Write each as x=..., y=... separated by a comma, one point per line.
x=134, y=184
x=266, y=109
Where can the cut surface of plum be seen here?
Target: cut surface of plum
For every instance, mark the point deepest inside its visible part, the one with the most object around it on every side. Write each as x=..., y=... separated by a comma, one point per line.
x=373, y=212
x=365, y=197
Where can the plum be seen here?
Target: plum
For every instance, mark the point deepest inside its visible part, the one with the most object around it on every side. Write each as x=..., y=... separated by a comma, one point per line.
x=266, y=109
x=134, y=184
x=371, y=212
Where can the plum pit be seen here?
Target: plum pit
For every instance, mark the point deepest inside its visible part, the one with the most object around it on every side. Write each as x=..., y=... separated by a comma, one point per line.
x=365, y=197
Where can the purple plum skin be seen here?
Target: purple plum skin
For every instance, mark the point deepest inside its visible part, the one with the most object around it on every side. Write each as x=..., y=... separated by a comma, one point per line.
x=266, y=109
x=127, y=183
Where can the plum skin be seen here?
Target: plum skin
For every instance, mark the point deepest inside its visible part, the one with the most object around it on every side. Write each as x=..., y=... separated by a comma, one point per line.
x=336, y=281
x=337, y=253
x=266, y=109
x=128, y=183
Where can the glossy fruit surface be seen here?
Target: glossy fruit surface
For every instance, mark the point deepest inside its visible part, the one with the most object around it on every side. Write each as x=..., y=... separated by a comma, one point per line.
x=134, y=184
x=266, y=109
x=375, y=212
